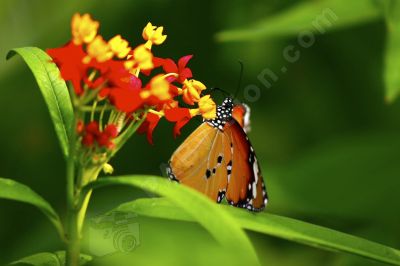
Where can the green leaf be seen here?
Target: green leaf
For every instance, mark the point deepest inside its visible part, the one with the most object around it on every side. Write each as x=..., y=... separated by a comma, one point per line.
x=314, y=16
x=217, y=221
x=40, y=259
x=392, y=52
x=12, y=190
x=54, y=91
x=275, y=225
x=49, y=259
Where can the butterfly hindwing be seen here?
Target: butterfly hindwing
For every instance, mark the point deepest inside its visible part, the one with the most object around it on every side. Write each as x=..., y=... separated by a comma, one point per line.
x=246, y=186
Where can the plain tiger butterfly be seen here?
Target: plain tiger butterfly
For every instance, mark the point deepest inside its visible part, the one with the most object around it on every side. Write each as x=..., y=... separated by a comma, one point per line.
x=218, y=160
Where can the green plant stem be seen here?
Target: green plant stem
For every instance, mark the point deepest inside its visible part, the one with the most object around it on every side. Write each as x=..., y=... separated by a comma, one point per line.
x=72, y=254
x=78, y=201
x=88, y=175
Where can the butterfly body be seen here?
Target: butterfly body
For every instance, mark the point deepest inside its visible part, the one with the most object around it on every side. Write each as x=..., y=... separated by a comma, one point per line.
x=218, y=160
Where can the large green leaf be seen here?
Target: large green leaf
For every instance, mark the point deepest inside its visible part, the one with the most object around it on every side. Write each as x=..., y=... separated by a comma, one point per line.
x=54, y=91
x=12, y=190
x=217, y=221
x=392, y=53
x=49, y=259
x=275, y=225
x=315, y=16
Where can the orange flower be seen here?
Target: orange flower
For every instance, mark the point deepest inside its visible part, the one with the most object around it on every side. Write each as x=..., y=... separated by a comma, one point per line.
x=207, y=108
x=141, y=58
x=107, y=74
x=84, y=28
x=119, y=46
x=191, y=91
x=159, y=88
x=153, y=35
x=98, y=49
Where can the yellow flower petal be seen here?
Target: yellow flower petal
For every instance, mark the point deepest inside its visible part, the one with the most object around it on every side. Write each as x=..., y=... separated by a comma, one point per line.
x=99, y=49
x=207, y=107
x=153, y=35
x=159, y=87
x=83, y=28
x=143, y=57
x=119, y=46
x=192, y=90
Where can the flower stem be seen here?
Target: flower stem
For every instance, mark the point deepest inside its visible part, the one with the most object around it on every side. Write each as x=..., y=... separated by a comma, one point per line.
x=72, y=256
x=88, y=175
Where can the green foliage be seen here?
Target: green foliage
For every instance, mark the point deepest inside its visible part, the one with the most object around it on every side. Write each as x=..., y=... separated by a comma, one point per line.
x=357, y=168
x=218, y=222
x=392, y=54
x=49, y=259
x=323, y=16
x=54, y=91
x=12, y=190
x=278, y=226
x=315, y=16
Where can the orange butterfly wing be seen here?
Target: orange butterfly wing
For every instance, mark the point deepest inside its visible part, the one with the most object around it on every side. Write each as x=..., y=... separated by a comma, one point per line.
x=218, y=160
x=201, y=161
x=246, y=187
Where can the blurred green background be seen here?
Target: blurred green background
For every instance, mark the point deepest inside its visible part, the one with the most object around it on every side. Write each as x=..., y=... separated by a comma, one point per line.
x=328, y=143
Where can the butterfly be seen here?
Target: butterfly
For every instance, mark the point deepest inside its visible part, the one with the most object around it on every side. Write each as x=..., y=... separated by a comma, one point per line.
x=218, y=160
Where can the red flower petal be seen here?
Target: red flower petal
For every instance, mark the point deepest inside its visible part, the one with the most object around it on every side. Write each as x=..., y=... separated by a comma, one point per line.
x=169, y=66
x=126, y=100
x=158, y=61
x=183, y=61
x=184, y=74
x=69, y=60
x=181, y=116
x=148, y=126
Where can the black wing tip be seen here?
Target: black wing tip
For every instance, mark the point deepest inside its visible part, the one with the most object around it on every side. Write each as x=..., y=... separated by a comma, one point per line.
x=248, y=206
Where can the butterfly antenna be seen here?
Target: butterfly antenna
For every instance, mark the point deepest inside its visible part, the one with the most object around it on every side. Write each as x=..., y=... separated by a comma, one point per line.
x=240, y=79
x=225, y=93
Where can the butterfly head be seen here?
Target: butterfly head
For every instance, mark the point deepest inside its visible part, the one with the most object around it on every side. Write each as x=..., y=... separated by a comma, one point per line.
x=224, y=114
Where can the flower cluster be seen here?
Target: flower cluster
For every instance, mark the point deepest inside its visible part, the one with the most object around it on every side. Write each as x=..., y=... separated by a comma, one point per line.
x=91, y=134
x=119, y=85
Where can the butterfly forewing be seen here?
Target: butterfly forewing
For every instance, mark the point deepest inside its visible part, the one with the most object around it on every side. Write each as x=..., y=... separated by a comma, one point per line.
x=199, y=162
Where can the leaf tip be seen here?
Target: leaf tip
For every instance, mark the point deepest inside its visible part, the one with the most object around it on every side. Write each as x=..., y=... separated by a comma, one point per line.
x=10, y=54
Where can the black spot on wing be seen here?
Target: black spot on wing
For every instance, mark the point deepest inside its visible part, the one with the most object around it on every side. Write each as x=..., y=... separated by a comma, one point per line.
x=221, y=195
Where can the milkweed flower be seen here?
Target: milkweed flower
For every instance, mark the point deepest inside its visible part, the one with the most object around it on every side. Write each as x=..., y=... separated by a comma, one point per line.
x=141, y=58
x=114, y=91
x=98, y=49
x=83, y=28
x=119, y=46
x=153, y=35
x=207, y=108
x=191, y=91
